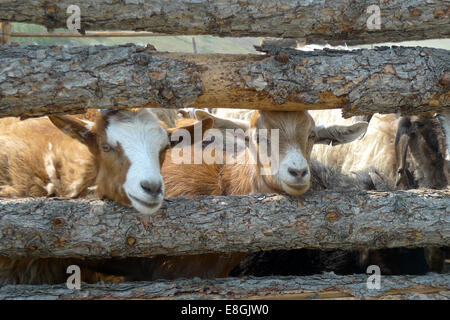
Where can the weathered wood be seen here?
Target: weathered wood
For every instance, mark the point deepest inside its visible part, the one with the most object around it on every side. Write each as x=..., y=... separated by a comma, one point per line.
x=323, y=286
x=5, y=33
x=361, y=82
x=36, y=80
x=327, y=20
x=326, y=220
x=100, y=34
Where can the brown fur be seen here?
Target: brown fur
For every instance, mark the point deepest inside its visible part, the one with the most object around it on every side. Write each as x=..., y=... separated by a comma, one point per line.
x=191, y=180
x=44, y=165
x=38, y=159
x=188, y=180
x=420, y=149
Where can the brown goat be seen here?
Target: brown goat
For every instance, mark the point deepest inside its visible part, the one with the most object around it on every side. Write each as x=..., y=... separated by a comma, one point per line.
x=120, y=156
x=297, y=135
x=424, y=166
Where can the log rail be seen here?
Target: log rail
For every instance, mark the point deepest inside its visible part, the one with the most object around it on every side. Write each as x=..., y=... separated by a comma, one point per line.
x=344, y=21
x=324, y=286
x=37, y=80
x=321, y=220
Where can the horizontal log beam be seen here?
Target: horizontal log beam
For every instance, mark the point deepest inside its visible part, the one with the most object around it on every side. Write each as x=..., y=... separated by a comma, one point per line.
x=328, y=20
x=104, y=34
x=325, y=220
x=36, y=80
x=323, y=286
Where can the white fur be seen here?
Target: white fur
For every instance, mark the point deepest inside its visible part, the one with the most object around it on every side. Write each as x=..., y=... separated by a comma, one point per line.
x=312, y=47
x=376, y=149
x=445, y=121
x=294, y=159
x=241, y=114
x=50, y=170
x=88, y=124
x=141, y=141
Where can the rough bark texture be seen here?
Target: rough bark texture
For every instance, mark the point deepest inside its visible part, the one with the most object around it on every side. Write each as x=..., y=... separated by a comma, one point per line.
x=404, y=79
x=35, y=80
x=324, y=286
x=326, y=20
x=326, y=220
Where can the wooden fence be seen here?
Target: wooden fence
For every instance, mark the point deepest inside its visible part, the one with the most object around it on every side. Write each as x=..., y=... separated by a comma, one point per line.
x=405, y=80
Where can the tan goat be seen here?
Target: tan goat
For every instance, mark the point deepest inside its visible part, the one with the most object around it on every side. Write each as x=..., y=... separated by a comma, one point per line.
x=297, y=135
x=120, y=155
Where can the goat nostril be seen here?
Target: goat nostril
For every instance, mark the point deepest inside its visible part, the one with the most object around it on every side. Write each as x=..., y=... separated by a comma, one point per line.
x=298, y=173
x=151, y=187
x=293, y=172
x=304, y=173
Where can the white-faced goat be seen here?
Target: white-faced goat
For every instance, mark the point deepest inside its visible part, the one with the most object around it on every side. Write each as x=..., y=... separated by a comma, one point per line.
x=297, y=135
x=120, y=156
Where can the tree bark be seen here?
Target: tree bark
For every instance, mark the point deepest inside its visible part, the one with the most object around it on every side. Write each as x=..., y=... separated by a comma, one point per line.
x=325, y=220
x=328, y=20
x=36, y=80
x=323, y=286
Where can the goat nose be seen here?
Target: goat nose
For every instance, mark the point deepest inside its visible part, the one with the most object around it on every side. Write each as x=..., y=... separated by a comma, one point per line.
x=151, y=187
x=299, y=174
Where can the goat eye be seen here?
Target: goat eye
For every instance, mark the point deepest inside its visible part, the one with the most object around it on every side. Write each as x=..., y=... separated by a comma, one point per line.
x=312, y=135
x=106, y=147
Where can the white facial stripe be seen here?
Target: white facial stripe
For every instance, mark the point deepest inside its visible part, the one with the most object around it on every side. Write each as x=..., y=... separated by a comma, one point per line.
x=141, y=139
x=295, y=159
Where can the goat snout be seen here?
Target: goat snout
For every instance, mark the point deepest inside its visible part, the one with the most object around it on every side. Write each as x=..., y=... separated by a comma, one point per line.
x=299, y=174
x=151, y=188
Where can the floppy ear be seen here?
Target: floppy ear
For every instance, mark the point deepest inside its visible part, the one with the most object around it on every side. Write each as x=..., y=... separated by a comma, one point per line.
x=335, y=135
x=77, y=129
x=222, y=123
x=204, y=125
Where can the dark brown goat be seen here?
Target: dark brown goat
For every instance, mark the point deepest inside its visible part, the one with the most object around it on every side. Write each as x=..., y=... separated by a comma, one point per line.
x=420, y=149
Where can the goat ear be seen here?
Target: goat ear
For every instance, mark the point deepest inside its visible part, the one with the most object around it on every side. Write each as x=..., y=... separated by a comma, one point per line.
x=204, y=125
x=222, y=123
x=77, y=129
x=335, y=135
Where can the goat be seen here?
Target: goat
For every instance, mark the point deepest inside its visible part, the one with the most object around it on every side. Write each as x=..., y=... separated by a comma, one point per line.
x=376, y=149
x=120, y=154
x=426, y=167
x=394, y=261
x=297, y=135
x=421, y=149
x=407, y=150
